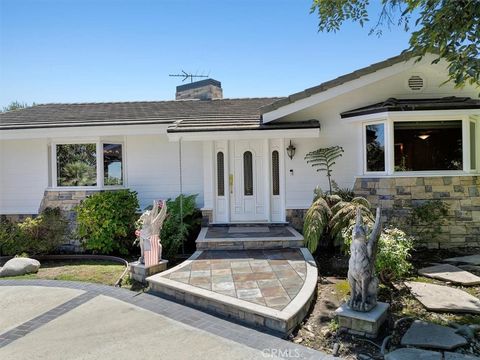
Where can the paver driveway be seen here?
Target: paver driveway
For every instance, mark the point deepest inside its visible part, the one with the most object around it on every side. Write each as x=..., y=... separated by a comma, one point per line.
x=43, y=319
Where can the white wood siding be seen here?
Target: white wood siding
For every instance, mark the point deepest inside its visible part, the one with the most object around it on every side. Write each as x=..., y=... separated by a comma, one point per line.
x=153, y=168
x=23, y=175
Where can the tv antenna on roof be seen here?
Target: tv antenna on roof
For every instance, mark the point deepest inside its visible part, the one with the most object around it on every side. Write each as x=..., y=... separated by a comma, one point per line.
x=186, y=75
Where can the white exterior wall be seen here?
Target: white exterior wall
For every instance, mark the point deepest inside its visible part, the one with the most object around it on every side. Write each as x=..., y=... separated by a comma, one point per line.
x=152, y=165
x=23, y=175
x=335, y=131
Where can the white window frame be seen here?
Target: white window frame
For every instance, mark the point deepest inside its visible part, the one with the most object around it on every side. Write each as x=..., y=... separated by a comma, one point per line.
x=99, y=164
x=386, y=136
x=465, y=147
x=388, y=119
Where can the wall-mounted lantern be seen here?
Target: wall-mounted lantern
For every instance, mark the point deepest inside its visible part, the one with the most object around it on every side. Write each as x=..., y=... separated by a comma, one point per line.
x=291, y=150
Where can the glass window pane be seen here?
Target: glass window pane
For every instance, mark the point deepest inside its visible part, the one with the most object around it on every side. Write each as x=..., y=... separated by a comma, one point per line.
x=77, y=165
x=220, y=174
x=275, y=173
x=473, y=146
x=427, y=146
x=247, y=173
x=112, y=164
x=375, y=135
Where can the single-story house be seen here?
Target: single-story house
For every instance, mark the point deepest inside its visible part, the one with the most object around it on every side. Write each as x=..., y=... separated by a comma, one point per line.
x=407, y=136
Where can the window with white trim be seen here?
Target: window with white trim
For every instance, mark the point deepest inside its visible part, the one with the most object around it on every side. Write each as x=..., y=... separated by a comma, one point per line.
x=375, y=147
x=87, y=164
x=473, y=145
x=428, y=145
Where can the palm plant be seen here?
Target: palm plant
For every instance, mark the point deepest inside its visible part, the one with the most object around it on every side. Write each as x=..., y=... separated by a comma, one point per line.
x=329, y=215
x=324, y=159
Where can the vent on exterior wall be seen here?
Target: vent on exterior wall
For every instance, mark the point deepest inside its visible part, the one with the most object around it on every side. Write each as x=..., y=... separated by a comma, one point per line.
x=416, y=83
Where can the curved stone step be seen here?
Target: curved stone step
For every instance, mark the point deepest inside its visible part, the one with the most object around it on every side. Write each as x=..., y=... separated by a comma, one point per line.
x=267, y=289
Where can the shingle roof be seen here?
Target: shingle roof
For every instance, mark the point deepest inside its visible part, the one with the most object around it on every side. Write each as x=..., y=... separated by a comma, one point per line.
x=336, y=82
x=216, y=113
x=393, y=104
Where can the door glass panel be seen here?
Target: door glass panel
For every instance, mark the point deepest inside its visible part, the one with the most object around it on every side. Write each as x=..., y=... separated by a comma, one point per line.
x=473, y=147
x=275, y=174
x=247, y=173
x=220, y=174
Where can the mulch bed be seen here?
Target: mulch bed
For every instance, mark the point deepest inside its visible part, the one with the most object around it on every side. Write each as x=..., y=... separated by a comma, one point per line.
x=320, y=330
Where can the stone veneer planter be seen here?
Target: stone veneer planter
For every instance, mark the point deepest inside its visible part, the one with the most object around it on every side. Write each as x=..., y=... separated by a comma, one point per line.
x=397, y=196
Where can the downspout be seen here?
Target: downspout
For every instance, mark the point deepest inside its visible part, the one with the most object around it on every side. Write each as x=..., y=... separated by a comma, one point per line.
x=181, y=190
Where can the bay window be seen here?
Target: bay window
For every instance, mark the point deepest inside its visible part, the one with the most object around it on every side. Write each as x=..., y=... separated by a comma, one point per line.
x=428, y=145
x=396, y=145
x=87, y=164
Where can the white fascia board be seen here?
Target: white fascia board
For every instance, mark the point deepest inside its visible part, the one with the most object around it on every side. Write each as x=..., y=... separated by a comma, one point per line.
x=84, y=131
x=337, y=91
x=244, y=134
x=413, y=115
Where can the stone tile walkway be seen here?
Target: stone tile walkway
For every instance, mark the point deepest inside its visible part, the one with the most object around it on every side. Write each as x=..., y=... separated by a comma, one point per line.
x=270, y=278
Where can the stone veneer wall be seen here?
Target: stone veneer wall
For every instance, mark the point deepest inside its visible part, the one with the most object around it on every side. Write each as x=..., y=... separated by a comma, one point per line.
x=295, y=218
x=66, y=201
x=397, y=196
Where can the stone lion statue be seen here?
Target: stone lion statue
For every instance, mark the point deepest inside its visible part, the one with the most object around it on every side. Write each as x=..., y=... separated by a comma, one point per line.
x=361, y=266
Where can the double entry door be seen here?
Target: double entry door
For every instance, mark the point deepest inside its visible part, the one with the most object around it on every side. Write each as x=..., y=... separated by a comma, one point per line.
x=245, y=181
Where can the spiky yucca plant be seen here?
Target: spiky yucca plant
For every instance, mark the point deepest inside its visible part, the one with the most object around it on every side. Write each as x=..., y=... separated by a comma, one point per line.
x=323, y=159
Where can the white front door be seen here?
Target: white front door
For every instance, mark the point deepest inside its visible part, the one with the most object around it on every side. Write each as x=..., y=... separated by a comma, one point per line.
x=248, y=180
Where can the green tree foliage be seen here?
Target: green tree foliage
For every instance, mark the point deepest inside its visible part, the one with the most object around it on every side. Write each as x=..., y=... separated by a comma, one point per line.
x=328, y=216
x=16, y=105
x=323, y=159
x=34, y=236
x=175, y=231
x=106, y=221
x=77, y=164
x=448, y=28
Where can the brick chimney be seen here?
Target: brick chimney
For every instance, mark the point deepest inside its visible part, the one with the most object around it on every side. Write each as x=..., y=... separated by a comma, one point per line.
x=208, y=89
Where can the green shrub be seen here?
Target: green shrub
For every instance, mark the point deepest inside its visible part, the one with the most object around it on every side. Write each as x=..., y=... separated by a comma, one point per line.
x=34, y=236
x=9, y=237
x=427, y=219
x=393, y=256
x=345, y=194
x=174, y=232
x=106, y=221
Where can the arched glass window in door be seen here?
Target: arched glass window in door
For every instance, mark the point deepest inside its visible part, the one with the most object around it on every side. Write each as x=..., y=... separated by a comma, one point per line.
x=247, y=173
x=275, y=173
x=220, y=174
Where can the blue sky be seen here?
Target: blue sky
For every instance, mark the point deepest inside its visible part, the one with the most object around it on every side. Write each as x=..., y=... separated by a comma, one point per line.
x=123, y=50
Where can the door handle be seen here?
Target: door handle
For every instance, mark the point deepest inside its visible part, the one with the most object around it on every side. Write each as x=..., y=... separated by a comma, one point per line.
x=230, y=182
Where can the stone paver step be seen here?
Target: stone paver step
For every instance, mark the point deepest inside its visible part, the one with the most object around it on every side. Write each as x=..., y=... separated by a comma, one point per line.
x=447, y=272
x=270, y=289
x=248, y=237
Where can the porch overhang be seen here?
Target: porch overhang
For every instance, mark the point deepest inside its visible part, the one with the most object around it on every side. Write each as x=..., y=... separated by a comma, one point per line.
x=301, y=129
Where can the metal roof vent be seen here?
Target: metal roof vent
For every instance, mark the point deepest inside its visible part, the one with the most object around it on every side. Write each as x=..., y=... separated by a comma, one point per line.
x=416, y=83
